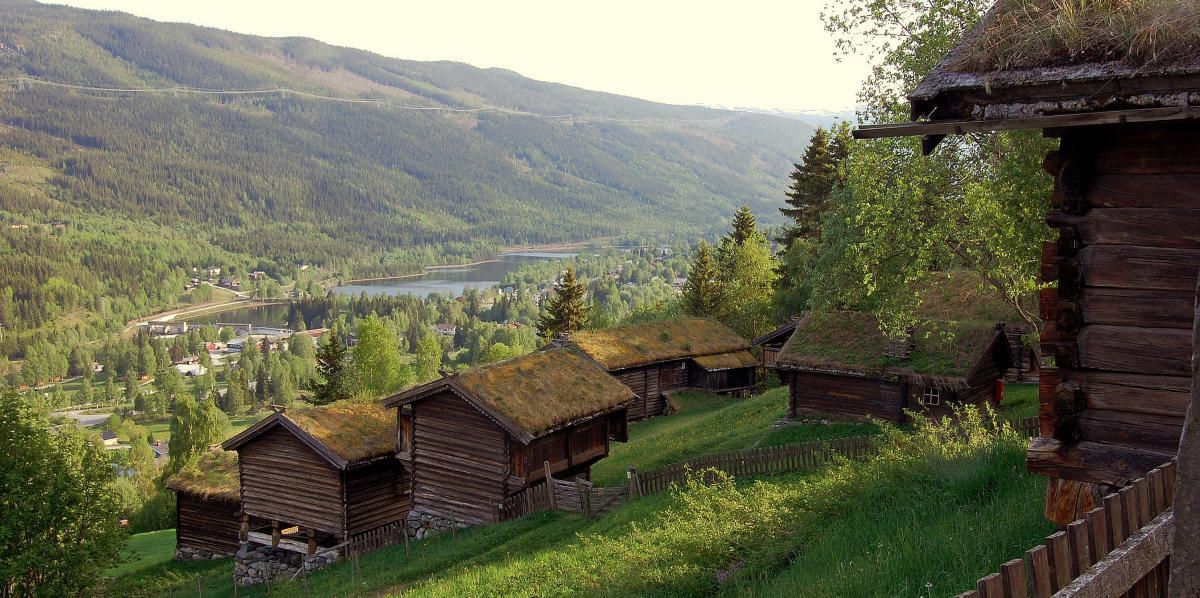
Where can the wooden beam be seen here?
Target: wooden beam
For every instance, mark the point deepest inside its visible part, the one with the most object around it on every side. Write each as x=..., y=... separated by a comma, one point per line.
x=1090, y=461
x=1185, y=559
x=935, y=128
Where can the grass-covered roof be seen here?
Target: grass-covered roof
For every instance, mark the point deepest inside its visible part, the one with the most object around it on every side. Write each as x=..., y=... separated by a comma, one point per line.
x=630, y=346
x=214, y=475
x=353, y=430
x=1024, y=34
x=727, y=361
x=542, y=391
x=853, y=342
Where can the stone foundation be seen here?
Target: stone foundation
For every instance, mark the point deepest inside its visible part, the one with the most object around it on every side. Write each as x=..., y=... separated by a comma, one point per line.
x=422, y=525
x=257, y=564
x=187, y=553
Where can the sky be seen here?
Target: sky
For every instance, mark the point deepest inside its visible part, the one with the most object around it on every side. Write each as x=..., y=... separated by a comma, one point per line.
x=764, y=54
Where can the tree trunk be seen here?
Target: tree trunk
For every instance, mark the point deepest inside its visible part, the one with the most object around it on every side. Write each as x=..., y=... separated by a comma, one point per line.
x=1185, y=554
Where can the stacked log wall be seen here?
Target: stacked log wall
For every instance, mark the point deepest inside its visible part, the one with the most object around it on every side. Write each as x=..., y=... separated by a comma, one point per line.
x=461, y=461
x=1127, y=208
x=207, y=523
x=846, y=395
x=284, y=480
x=376, y=494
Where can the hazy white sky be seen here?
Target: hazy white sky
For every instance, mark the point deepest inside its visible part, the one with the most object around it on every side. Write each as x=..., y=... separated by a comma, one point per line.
x=752, y=53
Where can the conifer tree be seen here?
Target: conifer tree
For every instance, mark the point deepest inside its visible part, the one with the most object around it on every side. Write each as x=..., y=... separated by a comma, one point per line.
x=331, y=365
x=813, y=181
x=702, y=291
x=565, y=312
x=744, y=225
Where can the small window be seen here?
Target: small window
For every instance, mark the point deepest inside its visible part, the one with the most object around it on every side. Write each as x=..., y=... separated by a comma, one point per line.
x=931, y=396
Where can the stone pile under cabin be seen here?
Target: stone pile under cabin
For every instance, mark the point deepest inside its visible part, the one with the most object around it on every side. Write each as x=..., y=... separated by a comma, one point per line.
x=1126, y=206
x=842, y=364
x=662, y=357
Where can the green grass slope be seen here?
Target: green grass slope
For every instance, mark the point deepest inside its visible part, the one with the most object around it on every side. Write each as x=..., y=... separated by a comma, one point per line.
x=941, y=506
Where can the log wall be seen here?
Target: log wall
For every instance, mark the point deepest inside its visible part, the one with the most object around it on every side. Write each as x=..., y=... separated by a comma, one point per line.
x=376, y=494
x=284, y=480
x=461, y=461
x=207, y=524
x=846, y=396
x=1126, y=205
x=651, y=383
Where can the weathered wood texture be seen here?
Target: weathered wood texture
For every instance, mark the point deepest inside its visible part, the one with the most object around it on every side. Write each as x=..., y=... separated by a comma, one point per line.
x=207, y=524
x=1185, y=562
x=847, y=396
x=1119, y=321
x=284, y=480
x=651, y=383
x=376, y=494
x=461, y=461
x=721, y=380
x=1119, y=549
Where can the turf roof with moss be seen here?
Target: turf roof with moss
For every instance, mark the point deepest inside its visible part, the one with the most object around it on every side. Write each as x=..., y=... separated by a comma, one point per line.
x=839, y=341
x=352, y=429
x=631, y=346
x=214, y=475
x=542, y=391
x=727, y=361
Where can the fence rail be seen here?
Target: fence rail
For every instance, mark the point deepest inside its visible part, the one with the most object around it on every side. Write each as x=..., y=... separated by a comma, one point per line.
x=1118, y=549
x=380, y=537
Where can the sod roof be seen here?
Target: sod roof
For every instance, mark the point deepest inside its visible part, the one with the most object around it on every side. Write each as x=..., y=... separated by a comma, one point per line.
x=839, y=341
x=214, y=475
x=352, y=430
x=631, y=346
x=727, y=361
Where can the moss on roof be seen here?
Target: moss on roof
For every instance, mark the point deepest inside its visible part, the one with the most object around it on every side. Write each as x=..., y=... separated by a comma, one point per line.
x=1023, y=34
x=852, y=341
x=353, y=429
x=541, y=391
x=214, y=475
x=629, y=346
x=727, y=361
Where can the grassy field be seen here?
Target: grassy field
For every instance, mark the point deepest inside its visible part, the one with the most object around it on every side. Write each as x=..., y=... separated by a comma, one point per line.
x=934, y=509
x=160, y=429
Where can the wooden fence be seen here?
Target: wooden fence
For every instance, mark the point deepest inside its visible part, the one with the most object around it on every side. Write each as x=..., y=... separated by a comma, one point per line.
x=583, y=497
x=1118, y=549
x=380, y=537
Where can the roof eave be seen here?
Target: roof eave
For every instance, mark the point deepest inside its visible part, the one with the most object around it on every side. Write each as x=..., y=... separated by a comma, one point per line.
x=280, y=419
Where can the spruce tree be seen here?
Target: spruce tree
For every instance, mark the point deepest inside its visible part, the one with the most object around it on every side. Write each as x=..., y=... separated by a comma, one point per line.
x=702, y=291
x=565, y=312
x=743, y=225
x=813, y=182
x=331, y=365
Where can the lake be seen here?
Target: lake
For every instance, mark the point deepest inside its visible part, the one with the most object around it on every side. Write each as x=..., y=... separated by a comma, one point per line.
x=268, y=316
x=450, y=281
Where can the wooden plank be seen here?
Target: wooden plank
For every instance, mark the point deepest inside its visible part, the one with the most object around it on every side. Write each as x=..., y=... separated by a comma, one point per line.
x=1012, y=574
x=1098, y=535
x=1038, y=559
x=1139, y=350
x=1060, y=560
x=991, y=586
x=1131, y=561
x=961, y=127
x=1113, y=512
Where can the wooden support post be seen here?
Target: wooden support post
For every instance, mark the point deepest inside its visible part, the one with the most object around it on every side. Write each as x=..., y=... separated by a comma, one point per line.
x=549, y=486
x=631, y=478
x=275, y=534
x=245, y=529
x=312, y=540
x=583, y=498
x=1185, y=555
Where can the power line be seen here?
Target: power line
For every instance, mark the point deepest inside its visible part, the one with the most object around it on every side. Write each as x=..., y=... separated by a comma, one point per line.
x=23, y=83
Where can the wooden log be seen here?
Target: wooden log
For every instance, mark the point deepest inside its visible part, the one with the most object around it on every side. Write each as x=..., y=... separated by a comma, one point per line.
x=1090, y=461
x=1185, y=490
x=1153, y=227
x=1137, y=350
x=1136, y=267
x=1143, y=191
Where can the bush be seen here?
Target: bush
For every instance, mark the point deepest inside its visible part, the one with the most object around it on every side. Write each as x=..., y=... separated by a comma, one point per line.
x=158, y=512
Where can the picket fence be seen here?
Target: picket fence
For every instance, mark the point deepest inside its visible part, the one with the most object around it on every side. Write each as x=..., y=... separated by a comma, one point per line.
x=1119, y=549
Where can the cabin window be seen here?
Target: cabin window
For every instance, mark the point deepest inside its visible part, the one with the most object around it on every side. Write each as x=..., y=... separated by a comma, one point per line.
x=931, y=396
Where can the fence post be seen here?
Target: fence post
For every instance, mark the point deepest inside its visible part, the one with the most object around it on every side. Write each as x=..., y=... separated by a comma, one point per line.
x=549, y=486
x=583, y=498
x=635, y=481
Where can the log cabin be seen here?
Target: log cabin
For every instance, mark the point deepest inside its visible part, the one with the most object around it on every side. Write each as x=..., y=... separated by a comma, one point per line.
x=771, y=342
x=661, y=357
x=208, y=507
x=1122, y=271
x=841, y=364
x=478, y=437
x=319, y=477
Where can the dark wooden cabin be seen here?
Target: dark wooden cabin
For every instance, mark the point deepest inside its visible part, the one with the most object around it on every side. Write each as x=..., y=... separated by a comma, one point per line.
x=1126, y=203
x=661, y=357
x=841, y=364
x=208, y=506
x=771, y=342
x=476, y=438
x=320, y=476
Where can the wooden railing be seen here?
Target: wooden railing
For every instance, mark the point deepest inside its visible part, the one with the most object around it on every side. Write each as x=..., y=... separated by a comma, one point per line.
x=380, y=537
x=1118, y=549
